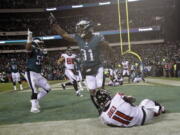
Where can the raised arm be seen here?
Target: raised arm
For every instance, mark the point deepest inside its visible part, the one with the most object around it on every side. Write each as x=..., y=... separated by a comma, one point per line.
x=58, y=30
x=29, y=41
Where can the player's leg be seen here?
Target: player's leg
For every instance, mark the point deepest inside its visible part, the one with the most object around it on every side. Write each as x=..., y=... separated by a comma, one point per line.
x=79, y=80
x=19, y=81
x=31, y=78
x=129, y=76
x=13, y=77
x=42, y=83
x=151, y=108
x=92, y=85
x=73, y=79
x=100, y=77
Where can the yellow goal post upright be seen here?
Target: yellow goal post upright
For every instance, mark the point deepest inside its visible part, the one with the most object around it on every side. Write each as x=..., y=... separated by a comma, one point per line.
x=129, y=51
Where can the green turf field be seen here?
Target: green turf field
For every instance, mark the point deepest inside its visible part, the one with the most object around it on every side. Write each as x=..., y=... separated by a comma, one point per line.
x=64, y=106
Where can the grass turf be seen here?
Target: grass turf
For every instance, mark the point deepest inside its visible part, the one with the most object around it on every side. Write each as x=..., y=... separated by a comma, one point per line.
x=64, y=105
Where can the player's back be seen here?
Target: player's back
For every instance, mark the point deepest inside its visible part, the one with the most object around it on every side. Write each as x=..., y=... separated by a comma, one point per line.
x=69, y=60
x=121, y=113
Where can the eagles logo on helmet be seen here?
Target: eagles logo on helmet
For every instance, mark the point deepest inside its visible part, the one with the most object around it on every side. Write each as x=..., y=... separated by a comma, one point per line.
x=84, y=27
x=38, y=43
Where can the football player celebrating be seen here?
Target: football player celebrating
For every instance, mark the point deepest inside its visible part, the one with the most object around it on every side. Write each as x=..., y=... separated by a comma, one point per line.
x=120, y=111
x=68, y=58
x=91, y=47
x=33, y=75
x=15, y=75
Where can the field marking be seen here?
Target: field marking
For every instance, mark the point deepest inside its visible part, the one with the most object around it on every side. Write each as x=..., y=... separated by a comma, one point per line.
x=166, y=124
x=163, y=82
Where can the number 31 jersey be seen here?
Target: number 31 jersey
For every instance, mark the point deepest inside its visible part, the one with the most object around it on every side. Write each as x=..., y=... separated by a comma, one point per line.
x=121, y=113
x=69, y=60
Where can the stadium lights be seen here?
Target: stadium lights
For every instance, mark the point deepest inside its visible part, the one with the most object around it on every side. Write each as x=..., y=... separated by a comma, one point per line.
x=105, y=3
x=77, y=6
x=145, y=29
x=2, y=42
x=133, y=0
x=51, y=9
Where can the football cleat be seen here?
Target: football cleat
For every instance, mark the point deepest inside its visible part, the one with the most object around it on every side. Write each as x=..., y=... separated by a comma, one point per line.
x=35, y=106
x=63, y=86
x=35, y=110
x=78, y=93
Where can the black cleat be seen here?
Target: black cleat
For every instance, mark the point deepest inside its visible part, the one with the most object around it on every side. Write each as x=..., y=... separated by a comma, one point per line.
x=63, y=86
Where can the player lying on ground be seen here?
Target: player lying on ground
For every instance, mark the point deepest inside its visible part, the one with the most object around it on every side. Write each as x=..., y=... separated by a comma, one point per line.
x=33, y=75
x=68, y=58
x=120, y=110
x=92, y=46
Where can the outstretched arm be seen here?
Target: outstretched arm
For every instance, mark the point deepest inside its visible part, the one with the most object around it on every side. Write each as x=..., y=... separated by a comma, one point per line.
x=58, y=30
x=29, y=41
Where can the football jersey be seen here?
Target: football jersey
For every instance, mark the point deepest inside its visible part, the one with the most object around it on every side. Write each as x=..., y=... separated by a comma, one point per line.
x=125, y=65
x=69, y=60
x=35, y=59
x=90, y=51
x=14, y=67
x=122, y=113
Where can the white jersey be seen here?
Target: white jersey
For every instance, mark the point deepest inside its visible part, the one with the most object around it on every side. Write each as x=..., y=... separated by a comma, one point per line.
x=125, y=65
x=121, y=113
x=69, y=60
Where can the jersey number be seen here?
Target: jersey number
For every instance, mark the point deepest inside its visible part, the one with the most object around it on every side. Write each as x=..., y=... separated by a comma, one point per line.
x=70, y=61
x=119, y=116
x=39, y=60
x=87, y=53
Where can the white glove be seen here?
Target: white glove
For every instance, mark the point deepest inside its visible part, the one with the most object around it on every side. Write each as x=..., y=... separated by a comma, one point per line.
x=29, y=38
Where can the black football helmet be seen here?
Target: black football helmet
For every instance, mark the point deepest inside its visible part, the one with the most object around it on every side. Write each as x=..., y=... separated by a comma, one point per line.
x=38, y=43
x=84, y=27
x=103, y=98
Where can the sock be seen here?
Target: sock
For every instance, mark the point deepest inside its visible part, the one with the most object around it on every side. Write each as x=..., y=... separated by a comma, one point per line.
x=41, y=94
x=68, y=83
x=75, y=85
x=80, y=85
x=21, y=87
x=15, y=88
x=34, y=96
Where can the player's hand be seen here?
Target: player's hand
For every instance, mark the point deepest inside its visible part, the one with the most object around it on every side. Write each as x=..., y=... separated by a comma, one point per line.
x=52, y=19
x=29, y=33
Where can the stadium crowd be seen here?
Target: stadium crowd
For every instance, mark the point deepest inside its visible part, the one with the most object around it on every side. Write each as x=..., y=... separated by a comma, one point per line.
x=158, y=60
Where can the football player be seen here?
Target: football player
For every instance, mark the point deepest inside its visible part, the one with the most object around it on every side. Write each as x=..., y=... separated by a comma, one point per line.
x=125, y=66
x=68, y=58
x=91, y=47
x=15, y=75
x=33, y=75
x=121, y=112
